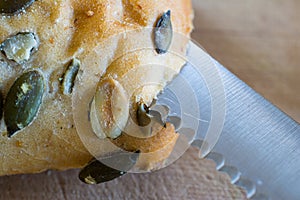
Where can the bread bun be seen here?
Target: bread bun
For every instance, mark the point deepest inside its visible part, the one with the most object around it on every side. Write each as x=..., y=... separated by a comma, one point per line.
x=56, y=33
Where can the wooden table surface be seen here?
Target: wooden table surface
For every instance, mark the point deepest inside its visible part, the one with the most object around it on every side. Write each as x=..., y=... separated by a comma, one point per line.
x=259, y=40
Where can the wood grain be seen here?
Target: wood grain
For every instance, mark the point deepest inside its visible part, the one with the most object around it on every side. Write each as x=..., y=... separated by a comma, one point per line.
x=259, y=40
x=188, y=178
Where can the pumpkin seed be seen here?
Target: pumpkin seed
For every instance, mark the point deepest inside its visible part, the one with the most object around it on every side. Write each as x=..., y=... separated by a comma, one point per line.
x=13, y=6
x=98, y=172
x=70, y=76
x=19, y=47
x=143, y=117
x=147, y=119
x=1, y=105
x=23, y=101
x=112, y=108
x=163, y=33
x=93, y=118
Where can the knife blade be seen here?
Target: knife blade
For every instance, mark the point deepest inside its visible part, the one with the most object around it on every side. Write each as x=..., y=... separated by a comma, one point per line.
x=258, y=139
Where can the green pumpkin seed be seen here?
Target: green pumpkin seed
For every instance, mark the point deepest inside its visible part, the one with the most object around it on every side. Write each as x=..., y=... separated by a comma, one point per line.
x=1, y=105
x=19, y=47
x=14, y=6
x=143, y=117
x=23, y=101
x=70, y=76
x=98, y=172
x=163, y=33
x=147, y=118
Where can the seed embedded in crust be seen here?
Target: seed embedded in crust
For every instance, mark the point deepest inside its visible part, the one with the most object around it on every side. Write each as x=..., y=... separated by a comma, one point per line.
x=142, y=114
x=99, y=171
x=112, y=107
x=69, y=76
x=12, y=7
x=163, y=33
x=23, y=101
x=20, y=47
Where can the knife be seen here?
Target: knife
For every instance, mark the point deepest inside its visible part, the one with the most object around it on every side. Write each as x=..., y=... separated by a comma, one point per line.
x=250, y=139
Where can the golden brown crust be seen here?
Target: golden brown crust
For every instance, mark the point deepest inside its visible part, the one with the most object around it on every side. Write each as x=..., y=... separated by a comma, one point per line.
x=67, y=29
x=154, y=149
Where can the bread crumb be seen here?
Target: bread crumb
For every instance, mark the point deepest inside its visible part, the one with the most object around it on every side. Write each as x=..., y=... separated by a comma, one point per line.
x=19, y=143
x=51, y=40
x=89, y=13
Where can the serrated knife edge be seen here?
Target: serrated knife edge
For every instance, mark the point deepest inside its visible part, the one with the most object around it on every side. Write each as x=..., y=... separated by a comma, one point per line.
x=261, y=141
x=260, y=137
